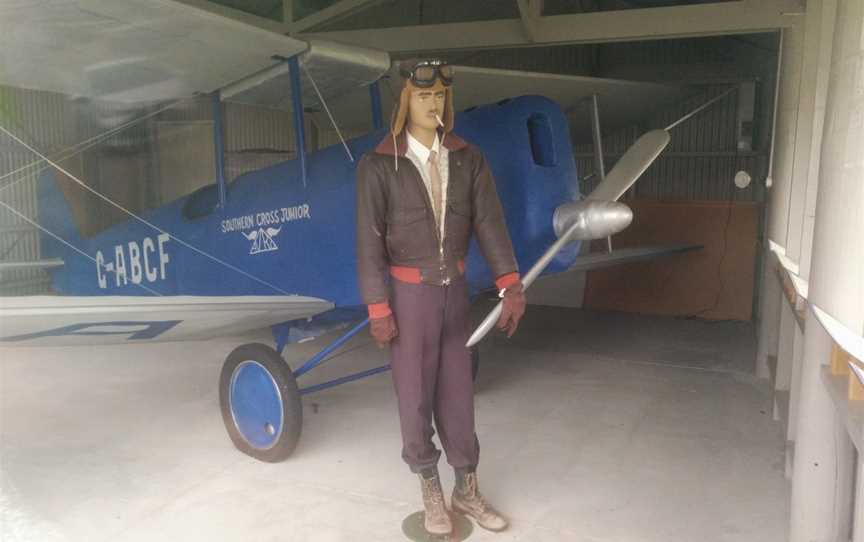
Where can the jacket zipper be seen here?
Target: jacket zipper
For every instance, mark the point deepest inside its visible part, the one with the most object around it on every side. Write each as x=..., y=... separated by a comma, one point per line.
x=442, y=267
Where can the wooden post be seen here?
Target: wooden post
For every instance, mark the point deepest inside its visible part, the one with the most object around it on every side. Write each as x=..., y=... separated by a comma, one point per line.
x=856, y=389
x=839, y=361
x=789, y=289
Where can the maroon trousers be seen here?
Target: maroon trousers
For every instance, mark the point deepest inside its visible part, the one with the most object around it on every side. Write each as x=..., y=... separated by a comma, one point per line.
x=432, y=373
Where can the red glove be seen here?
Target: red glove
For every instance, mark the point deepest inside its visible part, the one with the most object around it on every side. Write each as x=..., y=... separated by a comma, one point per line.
x=513, y=308
x=383, y=330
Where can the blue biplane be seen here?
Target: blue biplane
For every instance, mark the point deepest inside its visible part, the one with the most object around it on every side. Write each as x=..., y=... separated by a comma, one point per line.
x=275, y=247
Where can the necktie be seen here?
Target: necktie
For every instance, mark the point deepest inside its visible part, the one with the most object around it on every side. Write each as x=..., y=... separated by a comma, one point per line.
x=435, y=178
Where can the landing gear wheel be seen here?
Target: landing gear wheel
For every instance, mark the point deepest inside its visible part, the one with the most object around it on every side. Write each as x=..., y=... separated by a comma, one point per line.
x=260, y=403
x=475, y=362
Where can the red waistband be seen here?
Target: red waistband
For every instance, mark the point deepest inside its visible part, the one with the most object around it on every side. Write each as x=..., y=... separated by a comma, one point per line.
x=413, y=275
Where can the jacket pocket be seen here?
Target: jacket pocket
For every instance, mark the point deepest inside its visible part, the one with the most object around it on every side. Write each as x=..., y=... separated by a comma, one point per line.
x=408, y=235
x=458, y=226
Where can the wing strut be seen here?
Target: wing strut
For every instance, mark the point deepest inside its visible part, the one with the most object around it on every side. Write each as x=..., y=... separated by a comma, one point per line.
x=297, y=105
x=219, y=146
x=598, y=149
x=375, y=98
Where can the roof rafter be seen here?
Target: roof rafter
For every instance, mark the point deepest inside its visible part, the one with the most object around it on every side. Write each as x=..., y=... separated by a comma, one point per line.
x=237, y=15
x=719, y=18
x=339, y=10
x=530, y=11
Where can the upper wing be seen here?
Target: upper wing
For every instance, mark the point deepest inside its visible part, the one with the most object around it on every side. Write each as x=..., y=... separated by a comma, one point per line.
x=127, y=54
x=82, y=320
x=135, y=52
x=329, y=68
x=129, y=51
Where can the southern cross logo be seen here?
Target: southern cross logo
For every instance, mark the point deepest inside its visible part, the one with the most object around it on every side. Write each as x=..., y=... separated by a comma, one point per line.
x=262, y=240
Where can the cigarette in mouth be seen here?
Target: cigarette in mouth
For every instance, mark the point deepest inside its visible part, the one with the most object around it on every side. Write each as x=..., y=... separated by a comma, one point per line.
x=439, y=120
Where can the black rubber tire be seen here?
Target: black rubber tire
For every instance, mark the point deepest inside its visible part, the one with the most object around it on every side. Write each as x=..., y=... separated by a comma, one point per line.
x=292, y=407
x=475, y=362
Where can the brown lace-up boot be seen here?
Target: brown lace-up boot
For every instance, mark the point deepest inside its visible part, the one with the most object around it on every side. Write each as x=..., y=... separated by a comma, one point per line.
x=468, y=500
x=437, y=519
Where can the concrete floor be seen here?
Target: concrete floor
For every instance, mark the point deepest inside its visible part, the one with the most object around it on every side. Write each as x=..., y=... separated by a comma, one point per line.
x=593, y=427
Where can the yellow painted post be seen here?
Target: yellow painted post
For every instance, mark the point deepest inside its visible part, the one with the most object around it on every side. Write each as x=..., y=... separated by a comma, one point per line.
x=801, y=314
x=789, y=289
x=839, y=361
x=856, y=389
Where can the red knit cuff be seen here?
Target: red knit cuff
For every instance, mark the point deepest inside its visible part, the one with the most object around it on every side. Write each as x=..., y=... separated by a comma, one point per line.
x=505, y=281
x=379, y=310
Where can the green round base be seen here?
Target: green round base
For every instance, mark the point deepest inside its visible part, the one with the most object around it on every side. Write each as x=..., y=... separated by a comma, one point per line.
x=413, y=528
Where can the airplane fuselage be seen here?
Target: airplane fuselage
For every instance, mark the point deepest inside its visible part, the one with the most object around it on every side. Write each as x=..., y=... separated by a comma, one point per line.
x=277, y=236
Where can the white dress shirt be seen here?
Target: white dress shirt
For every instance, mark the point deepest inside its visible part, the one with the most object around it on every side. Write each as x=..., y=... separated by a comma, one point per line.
x=418, y=153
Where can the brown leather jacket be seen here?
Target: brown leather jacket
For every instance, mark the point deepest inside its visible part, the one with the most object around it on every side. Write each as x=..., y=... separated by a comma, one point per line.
x=396, y=225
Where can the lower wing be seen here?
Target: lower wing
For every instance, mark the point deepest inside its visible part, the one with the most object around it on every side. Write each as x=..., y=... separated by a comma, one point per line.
x=83, y=320
x=627, y=255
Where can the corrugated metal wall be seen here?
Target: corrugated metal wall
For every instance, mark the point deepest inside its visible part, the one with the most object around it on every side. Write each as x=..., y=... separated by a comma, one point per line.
x=561, y=7
x=701, y=160
x=18, y=240
x=411, y=12
x=255, y=137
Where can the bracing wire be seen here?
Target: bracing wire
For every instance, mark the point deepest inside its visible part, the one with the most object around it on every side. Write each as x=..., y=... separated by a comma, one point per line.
x=702, y=107
x=327, y=109
x=140, y=219
x=84, y=145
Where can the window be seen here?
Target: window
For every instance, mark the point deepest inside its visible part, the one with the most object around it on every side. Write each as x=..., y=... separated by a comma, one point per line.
x=542, y=143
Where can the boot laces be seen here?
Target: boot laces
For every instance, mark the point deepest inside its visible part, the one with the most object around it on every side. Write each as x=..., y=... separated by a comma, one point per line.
x=432, y=492
x=473, y=493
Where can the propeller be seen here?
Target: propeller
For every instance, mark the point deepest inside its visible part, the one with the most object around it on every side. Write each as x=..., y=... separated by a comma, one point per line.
x=596, y=217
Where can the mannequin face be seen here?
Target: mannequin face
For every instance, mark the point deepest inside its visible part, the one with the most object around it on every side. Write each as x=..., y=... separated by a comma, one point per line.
x=424, y=104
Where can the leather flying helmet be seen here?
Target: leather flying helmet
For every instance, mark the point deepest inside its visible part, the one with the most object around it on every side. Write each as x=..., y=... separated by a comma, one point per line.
x=425, y=74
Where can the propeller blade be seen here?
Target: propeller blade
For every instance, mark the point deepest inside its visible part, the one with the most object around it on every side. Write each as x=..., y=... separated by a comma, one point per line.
x=529, y=278
x=491, y=318
x=629, y=168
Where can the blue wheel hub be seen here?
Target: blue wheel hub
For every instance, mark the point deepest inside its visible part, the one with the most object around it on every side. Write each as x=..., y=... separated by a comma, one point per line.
x=256, y=405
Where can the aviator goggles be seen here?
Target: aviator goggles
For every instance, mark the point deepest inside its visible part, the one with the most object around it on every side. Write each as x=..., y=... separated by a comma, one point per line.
x=424, y=73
